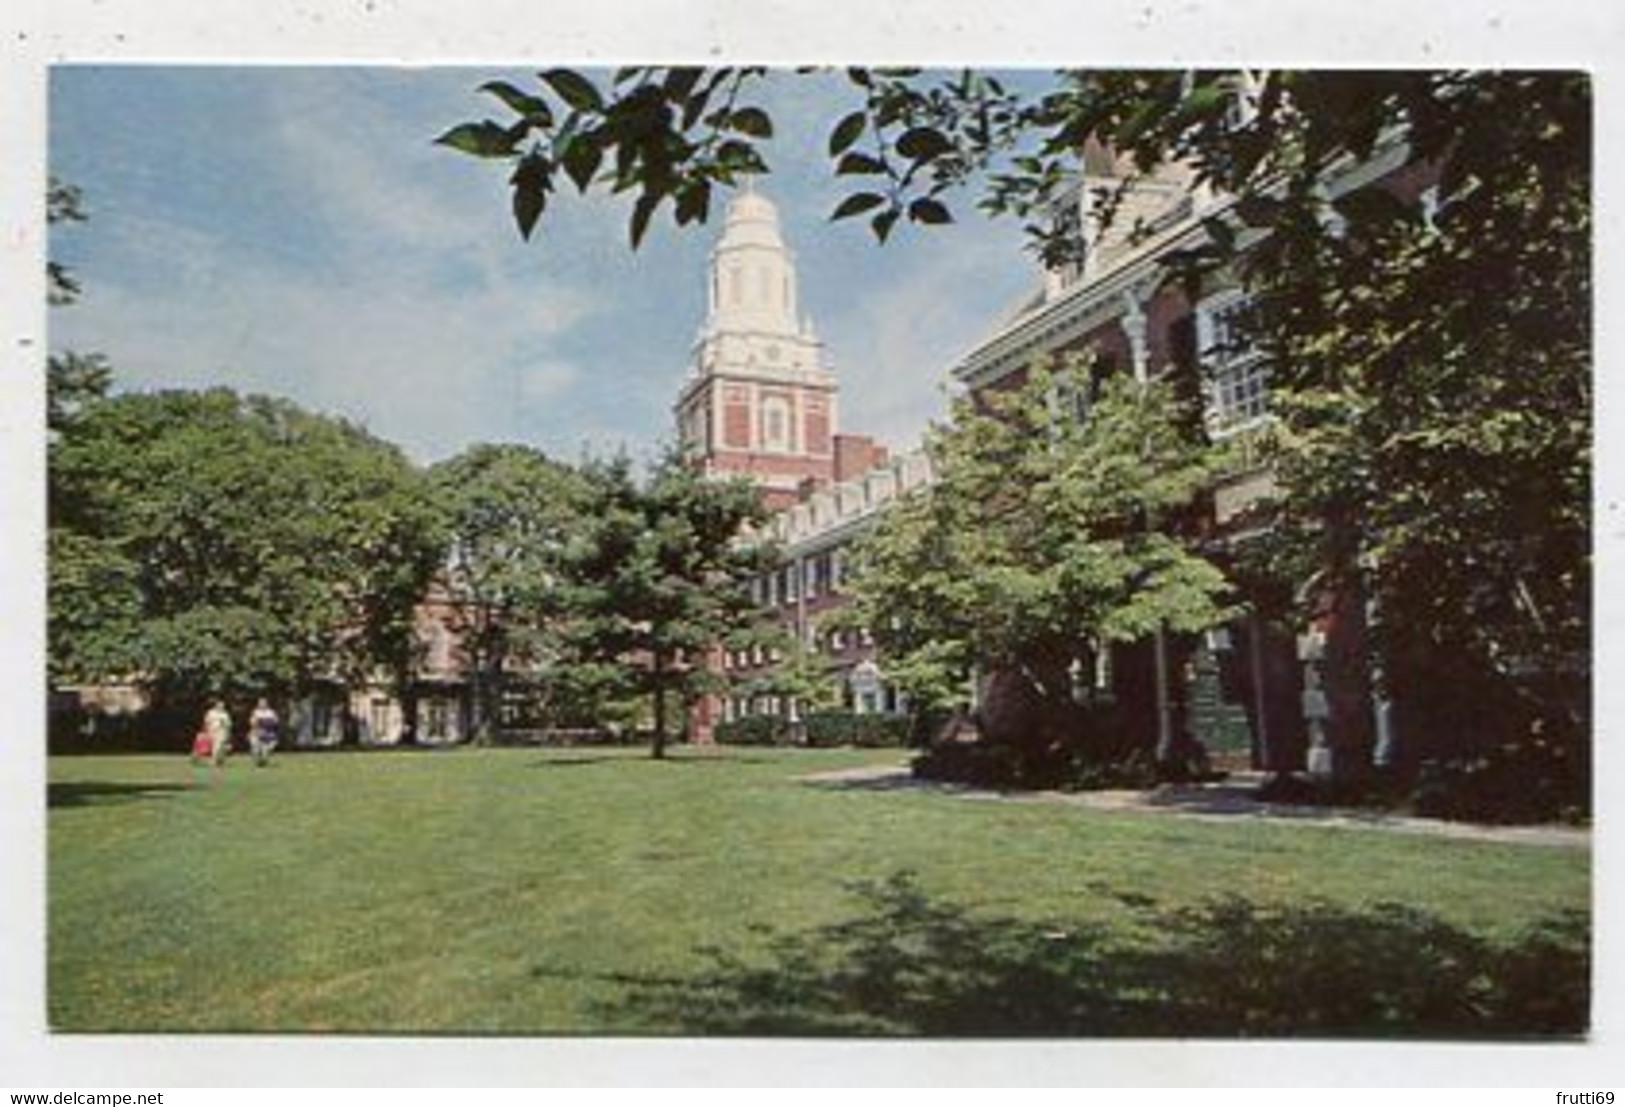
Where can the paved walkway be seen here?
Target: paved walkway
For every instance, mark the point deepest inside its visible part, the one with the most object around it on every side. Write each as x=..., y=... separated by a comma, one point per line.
x=1225, y=800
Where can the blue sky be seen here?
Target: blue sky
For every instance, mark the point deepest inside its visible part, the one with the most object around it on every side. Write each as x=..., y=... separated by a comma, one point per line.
x=293, y=230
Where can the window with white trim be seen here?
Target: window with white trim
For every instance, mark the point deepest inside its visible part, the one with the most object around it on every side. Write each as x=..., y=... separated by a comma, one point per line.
x=1237, y=377
x=776, y=425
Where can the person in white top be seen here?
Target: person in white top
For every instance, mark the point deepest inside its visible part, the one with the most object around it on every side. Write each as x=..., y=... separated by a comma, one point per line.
x=217, y=725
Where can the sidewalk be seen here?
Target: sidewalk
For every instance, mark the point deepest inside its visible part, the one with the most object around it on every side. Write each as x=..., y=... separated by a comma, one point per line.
x=1225, y=800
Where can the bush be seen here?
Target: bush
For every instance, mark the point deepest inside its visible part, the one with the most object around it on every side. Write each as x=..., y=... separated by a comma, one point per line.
x=986, y=764
x=847, y=728
x=1091, y=748
x=754, y=730
x=1527, y=783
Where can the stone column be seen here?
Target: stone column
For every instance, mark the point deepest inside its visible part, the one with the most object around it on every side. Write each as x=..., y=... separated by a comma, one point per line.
x=1316, y=705
x=1137, y=332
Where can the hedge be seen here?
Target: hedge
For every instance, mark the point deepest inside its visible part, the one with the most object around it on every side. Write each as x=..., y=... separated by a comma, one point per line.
x=846, y=728
x=822, y=729
x=754, y=730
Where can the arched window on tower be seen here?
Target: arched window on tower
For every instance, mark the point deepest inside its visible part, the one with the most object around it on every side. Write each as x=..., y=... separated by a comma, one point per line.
x=776, y=425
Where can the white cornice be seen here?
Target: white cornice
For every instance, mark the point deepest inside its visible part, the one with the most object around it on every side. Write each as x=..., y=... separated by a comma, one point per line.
x=1078, y=310
x=1096, y=301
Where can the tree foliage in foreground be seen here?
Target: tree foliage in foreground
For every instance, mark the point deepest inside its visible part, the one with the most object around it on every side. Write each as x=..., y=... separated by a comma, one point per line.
x=1434, y=397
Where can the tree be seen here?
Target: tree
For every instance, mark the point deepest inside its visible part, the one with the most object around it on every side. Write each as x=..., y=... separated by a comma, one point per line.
x=208, y=543
x=511, y=513
x=676, y=134
x=72, y=379
x=91, y=581
x=658, y=579
x=1434, y=455
x=1045, y=540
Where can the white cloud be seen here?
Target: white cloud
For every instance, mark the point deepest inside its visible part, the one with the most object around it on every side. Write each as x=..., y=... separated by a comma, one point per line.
x=431, y=366
x=894, y=347
x=378, y=285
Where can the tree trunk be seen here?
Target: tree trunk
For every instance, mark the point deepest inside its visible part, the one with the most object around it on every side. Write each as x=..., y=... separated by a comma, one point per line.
x=406, y=693
x=659, y=750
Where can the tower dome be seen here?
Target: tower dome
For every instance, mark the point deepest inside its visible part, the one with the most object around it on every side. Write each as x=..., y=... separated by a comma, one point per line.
x=751, y=220
x=753, y=281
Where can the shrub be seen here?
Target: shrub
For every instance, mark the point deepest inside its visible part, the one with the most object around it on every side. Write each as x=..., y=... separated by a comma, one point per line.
x=1519, y=784
x=847, y=728
x=754, y=730
x=1092, y=749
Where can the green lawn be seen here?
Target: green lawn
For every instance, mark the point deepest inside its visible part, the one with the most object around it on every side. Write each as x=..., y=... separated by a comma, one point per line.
x=586, y=891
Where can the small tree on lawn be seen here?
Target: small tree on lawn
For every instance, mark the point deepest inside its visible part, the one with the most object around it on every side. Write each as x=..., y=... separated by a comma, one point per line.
x=658, y=577
x=511, y=513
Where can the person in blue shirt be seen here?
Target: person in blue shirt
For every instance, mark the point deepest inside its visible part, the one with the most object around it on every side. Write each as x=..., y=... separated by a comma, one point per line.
x=262, y=732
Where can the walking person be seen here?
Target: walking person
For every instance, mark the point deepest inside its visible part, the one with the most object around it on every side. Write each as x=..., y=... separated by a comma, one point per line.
x=217, y=725
x=262, y=732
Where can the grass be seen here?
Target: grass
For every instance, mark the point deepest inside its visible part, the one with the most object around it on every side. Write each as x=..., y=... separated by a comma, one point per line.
x=588, y=891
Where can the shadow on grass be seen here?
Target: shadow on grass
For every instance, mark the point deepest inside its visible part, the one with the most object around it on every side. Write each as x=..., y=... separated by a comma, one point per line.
x=913, y=965
x=891, y=780
x=87, y=793
x=568, y=761
x=634, y=756
x=1244, y=799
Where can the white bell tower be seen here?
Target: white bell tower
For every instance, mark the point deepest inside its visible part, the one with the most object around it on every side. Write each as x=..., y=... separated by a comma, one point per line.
x=759, y=398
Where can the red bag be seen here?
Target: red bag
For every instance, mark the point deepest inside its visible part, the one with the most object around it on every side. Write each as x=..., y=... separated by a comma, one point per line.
x=201, y=746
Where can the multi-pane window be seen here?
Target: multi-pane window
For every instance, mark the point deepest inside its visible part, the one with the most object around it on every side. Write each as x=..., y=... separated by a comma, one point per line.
x=823, y=579
x=1237, y=375
x=437, y=719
